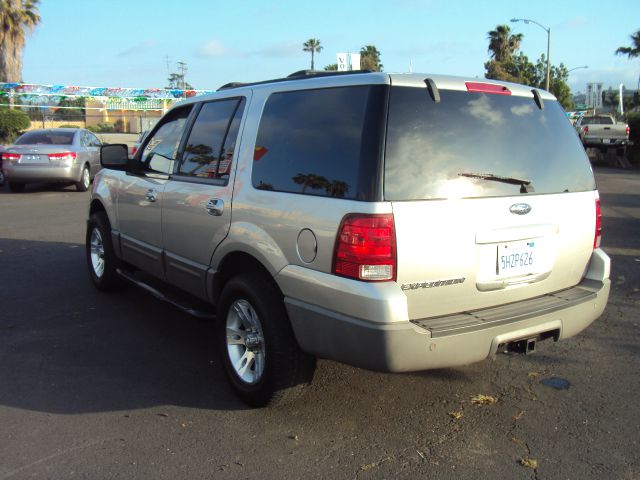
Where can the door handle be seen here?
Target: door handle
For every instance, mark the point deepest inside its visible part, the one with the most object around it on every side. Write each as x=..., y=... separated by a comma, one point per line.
x=151, y=195
x=215, y=206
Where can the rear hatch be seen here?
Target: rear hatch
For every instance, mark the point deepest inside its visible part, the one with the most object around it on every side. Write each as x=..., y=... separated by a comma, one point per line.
x=492, y=194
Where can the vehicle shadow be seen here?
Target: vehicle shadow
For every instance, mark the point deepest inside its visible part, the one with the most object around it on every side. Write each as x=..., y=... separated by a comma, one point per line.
x=67, y=348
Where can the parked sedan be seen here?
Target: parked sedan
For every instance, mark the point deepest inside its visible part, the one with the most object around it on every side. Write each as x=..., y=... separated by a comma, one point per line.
x=61, y=155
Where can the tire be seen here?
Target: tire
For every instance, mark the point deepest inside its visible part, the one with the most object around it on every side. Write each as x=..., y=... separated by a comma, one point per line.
x=16, y=187
x=101, y=258
x=85, y=180
x=260, y=354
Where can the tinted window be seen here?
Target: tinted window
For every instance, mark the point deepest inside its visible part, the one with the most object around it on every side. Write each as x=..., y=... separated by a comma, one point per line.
x=46, y=137
x=321, y=142
x=93, y=140
x=161, y=150
x=207, y=154
x=441, y=150
x=597, y=121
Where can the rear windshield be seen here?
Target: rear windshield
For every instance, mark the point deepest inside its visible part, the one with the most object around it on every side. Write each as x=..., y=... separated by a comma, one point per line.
x=47, y=137
x=597, y=121
x=479, y=145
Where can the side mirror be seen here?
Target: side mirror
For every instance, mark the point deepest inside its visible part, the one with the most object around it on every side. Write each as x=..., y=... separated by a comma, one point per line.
x=115, y=156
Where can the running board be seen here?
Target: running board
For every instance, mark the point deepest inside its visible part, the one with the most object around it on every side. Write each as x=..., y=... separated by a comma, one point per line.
x=161, y=296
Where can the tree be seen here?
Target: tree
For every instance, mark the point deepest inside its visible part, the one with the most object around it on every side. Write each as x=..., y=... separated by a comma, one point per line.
x=176, y=81
x=74, y=109
x=332, y=67
x=502, y=45
x=11, y=123
x=16, y=16
x=312, y=45
x=370, y=59
x=634, y=51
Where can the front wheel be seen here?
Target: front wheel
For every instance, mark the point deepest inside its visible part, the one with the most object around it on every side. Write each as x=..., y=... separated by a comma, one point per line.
x=85, y=180
x=260, y=354
x=101, y=259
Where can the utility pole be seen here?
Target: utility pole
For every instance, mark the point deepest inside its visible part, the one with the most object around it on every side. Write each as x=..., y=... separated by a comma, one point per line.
x=182, y=67
x=166, y=60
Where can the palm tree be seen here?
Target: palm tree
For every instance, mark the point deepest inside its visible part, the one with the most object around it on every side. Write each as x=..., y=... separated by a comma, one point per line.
x=502, y=45
x=16, y=16
x=370, y=59
x=634, y=51
x=312, y=45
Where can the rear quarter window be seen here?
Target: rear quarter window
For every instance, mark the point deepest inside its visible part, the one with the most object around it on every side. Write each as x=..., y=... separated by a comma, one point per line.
x=322, y=142
x=433, y=150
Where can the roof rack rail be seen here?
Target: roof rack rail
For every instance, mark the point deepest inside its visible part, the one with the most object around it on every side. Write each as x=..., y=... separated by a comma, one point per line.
x=299, y=75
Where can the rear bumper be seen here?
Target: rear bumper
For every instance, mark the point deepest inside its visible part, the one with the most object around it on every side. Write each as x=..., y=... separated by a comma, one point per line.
x=41, y=173
x=402, y=346
x=607, y=142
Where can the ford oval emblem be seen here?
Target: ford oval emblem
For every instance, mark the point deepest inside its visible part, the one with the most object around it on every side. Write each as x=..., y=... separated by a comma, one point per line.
x=520, y=208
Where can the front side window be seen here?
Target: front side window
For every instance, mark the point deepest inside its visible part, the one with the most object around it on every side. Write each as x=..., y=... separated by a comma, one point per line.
x=160, y=152
x=209, y=148
x=322, y=142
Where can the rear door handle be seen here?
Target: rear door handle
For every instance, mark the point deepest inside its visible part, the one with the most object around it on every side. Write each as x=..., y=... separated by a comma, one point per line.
x=215, y=207
x=151, y=195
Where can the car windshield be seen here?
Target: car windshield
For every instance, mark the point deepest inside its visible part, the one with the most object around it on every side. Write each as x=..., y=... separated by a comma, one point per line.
x=46, y=137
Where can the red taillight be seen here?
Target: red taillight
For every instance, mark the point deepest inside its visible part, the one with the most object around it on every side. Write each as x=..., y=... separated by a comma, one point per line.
x=586, y=129
x=598, y=234
x=628, y=130
x=366, y=248
x=63, y=156
x=11, y=156
x=487, y=88
x=134, y=150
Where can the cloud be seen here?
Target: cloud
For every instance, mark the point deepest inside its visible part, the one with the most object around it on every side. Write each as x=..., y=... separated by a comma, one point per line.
x=482, y=110
x=282, y=50
x=213, y=48
x=573, y=23
x=139, y=48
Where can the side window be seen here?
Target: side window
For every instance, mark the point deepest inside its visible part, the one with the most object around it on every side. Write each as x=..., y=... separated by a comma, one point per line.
x=93, y=140
x=322, y=142
x=84, y=138
x=161, y=150
x=211, y=142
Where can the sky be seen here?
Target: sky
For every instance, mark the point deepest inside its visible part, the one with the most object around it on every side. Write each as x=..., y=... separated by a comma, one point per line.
x=136, y=43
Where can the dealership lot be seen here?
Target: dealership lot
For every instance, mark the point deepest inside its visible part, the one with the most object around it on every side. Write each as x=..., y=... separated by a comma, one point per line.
x=122, y=386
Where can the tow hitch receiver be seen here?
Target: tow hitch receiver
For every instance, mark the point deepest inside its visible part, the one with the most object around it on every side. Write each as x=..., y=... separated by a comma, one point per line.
x=522, y=346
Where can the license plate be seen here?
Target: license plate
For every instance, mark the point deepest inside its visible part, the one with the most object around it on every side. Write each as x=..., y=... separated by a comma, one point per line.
x=518, y=258
x=606, y=140
x=33, y=159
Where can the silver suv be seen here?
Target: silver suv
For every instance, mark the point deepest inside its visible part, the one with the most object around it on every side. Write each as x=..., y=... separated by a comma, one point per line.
x=392, y=222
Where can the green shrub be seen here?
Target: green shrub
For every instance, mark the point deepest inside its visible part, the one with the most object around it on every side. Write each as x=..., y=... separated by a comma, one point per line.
x=69, y=125
x=633, y=120
x=11, y=123
x=102, y=128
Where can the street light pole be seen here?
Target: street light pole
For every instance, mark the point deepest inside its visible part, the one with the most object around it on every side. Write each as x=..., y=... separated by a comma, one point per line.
x=548, y=30
x=576, y=68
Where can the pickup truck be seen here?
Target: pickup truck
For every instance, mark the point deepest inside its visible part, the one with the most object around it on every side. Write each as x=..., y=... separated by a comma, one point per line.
x=602, y=131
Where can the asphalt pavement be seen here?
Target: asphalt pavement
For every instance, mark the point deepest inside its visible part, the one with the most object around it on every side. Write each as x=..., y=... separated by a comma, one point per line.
x=108, y=386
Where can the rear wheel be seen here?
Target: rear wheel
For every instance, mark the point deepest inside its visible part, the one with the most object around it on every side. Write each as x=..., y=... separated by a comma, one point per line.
x=85, y=180
x=260, y=354
x=16, y=187
x=101, y=259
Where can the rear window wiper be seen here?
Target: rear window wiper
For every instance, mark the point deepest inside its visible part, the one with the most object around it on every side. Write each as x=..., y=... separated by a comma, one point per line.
x=525, y=185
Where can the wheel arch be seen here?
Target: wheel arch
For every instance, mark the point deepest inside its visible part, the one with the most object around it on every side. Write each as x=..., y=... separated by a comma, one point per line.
x=233, y=264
